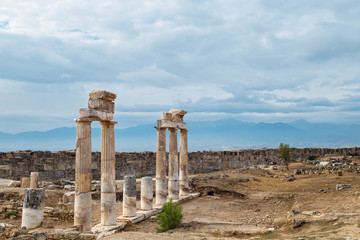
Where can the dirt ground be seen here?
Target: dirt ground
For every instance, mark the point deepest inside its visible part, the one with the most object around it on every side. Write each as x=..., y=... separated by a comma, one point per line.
x=272, y=207
x=262, y=203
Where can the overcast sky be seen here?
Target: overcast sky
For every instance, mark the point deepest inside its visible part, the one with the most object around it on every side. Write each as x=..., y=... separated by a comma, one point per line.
x=262, y=61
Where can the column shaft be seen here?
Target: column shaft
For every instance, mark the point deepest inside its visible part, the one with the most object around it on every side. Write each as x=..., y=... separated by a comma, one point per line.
x=33, y=208
x=82, y=206
x=129, y=196
x=173, y=165
x=146, y=193
x=34, y=180
x=108, y=187
x=161, y=193
x=184, y=165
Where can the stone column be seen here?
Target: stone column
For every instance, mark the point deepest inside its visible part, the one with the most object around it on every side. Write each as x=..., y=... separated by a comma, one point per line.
x=161, y=193
x=34, y=180
x=129, y=196
x=25, y=182
x=82, y=206
x=108, y=186
x=146, y=193
x=173, y=165
x=33, y=208
x=184, y=165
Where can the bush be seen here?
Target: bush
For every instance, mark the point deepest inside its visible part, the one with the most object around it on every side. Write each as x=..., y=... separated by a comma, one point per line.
x=170, y=217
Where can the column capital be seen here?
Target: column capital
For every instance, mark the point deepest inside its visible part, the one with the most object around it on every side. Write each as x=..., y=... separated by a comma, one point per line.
x=172, y=128
x=108, y=123
x=184, y=130
x=79, y=120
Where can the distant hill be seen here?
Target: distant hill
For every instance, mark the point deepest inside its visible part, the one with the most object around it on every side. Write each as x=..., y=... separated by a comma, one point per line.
x=205, y=135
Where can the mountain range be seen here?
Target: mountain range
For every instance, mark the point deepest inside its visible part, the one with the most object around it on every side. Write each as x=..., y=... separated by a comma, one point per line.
x=203, y=135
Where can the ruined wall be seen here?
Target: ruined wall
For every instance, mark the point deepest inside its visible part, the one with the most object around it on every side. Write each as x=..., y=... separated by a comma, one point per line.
x=61, y=164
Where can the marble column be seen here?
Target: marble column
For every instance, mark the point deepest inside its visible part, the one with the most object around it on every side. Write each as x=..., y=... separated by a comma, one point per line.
x=146, y=193
x=161, y=193
x=33, y=208
x=129, y=196
x=173, y=165
x=82, y=205
x=34, y=180
x=108, y=186
x=184, y=165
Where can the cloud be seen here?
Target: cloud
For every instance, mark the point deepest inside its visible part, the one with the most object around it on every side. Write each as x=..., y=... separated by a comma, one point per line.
x=248, y=59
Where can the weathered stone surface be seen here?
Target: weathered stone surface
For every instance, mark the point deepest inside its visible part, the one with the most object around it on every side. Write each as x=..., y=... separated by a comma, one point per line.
x=92, y=114
x=161, y=192
x=145, y=162
x=33, y=208
x=108, y=186
x=129, y=196
x=25, y=182
x=108, y=209
x=130, y=186
x=101, y=105
x=175, y=115
x=129, y=206
x=184, y=164
x=34, y=198
x=102, y=94
x=146, y=193
x=170, y=124
x=173, y=165
x=83, y=211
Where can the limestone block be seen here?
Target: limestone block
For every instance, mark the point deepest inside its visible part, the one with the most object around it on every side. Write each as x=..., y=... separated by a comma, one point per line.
x=69, y=197
x=88, y=113
x=101, y=105
x=170, y=124
x=102, y=94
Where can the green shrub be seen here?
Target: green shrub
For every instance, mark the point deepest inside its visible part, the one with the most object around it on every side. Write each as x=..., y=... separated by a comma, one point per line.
x=170, y=217
x=8, y=214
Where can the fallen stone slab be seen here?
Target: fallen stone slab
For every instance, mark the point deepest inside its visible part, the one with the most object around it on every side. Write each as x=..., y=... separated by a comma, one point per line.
x=107, y=230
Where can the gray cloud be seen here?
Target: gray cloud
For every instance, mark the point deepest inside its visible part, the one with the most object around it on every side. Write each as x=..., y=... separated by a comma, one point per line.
x=284, y=59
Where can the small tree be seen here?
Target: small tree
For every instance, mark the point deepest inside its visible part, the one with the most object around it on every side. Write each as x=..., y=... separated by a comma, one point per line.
x=170, y=217
x=285, y=153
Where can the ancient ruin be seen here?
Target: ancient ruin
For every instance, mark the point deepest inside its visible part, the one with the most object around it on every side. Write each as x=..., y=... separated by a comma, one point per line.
x=173, y=120
x=101, y=107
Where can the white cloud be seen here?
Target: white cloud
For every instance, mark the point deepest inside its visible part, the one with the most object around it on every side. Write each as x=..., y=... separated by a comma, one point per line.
x=228, y=57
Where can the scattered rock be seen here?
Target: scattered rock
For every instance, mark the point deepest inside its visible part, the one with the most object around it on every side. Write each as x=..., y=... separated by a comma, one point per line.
x=290, y=178
x=48, y=224
x=14, y=184
x=69, y=187
x=342, y=186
